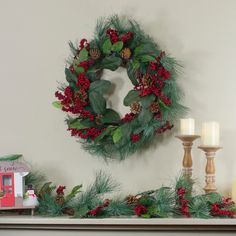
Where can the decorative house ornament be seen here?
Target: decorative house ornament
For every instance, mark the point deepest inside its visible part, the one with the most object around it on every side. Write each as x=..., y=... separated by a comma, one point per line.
x=153, y=101
x=12, y=173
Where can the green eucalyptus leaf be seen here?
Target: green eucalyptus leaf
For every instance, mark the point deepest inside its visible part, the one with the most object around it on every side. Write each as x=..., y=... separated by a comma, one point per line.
x=132, y=96
x=132, y=68
x=104, y=133
x=79, y=69
x=147, y=58
x=97, y=101
x=106, y=47
x=117, y=135
x=76, y=124
x=110, y=116
x=100, y=86
x=147, y=100
x=111, y=62
x=138, y=49
x=87, y=123
x=83, y=55
x=116, y=47
x=57, y=104
x=71, y=78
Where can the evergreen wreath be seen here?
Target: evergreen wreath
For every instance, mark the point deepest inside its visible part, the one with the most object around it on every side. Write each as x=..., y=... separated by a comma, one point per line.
x=153, y=101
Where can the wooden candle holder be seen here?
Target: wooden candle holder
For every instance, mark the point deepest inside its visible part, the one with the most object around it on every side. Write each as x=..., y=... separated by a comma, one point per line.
x=210, y=152
x=187, y=159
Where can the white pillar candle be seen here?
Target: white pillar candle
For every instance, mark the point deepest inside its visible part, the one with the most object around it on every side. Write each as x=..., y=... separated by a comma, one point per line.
x=210, y=135
x=234, y=191
x=187, y=126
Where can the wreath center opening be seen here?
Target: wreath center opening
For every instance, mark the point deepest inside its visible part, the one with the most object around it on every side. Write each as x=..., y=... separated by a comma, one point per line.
x=120, y=86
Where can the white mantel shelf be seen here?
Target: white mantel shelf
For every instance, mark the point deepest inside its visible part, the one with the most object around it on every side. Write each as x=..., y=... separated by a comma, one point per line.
x=117, y=224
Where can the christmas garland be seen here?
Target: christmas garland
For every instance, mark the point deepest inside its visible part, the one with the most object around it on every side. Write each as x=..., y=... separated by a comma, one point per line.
x=177, y=201
x=153, y=101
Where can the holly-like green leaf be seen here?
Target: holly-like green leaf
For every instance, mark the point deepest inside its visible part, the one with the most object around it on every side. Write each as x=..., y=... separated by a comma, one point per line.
x=147, y=100
x=117, y=135
x=57, y=104
x=76, y=124
x=132, y=96
x=106, y=47
x=111, y=62
x=100, y=86
x=132, y=68
x=116, y=47
x=78, y=70
x=83, y=55
x=110, y=116
x=98, y=103
x=145, y=116
x=73, y=192
x=71, y=78
x=147, y=58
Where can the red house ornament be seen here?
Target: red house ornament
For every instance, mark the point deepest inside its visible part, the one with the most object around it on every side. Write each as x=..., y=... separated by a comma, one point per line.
x=12, y=173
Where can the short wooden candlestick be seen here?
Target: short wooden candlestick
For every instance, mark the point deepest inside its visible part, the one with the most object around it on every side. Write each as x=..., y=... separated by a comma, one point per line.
x=210, y=152
x=187, y=160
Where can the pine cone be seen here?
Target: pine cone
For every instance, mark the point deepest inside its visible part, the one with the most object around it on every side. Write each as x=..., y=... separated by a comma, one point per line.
x=60, y=200
x=131, y=199
x=94, y=53
x=125, y=53
x=98, y=119
x=154, y=107
x=135, y=107
x=147, y=80
x=69, y=211
x=82, y=95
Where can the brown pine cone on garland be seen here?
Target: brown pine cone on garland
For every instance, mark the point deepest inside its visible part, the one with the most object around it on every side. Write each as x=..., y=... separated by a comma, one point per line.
x=82, y=95
x=60, y=200
x=154, y=107
x=98, y=119
x=131, y=199
x=69, y=211
x=147, y=80
x=135, y=107
x=125, y=53
x=94, y=53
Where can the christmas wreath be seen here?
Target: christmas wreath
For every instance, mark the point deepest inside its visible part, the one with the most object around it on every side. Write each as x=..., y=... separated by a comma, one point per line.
x=153, y=101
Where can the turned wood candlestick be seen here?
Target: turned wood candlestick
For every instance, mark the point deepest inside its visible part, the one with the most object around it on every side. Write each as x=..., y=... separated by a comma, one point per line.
x=187, y=162
x=210, y=152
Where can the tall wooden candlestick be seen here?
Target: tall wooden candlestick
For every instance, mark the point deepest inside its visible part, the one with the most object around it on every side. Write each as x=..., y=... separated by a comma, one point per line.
x=187, y=159
x=210, y=152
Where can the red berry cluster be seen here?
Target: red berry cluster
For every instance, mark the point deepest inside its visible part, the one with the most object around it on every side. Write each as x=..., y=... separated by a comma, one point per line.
x=114, y=37
x=217, y=209
x=85, y=64
x=140, y=209
x=158, y=76
x=113, y=34
x=83, y=82
x=83, y=44
x=166, y=126
x=128, y=117
x=96, y=211
x=183, y=202
x=126, y=36
x=135, y=138
x=86, y=133
x=60, y=190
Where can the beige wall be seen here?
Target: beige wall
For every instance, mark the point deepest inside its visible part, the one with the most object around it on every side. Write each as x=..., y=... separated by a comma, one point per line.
x=33, y=49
